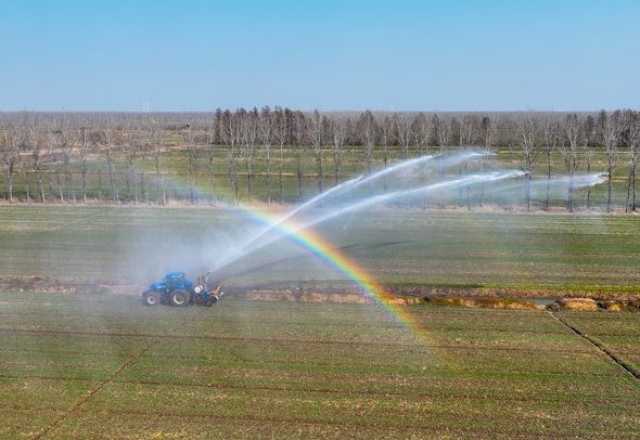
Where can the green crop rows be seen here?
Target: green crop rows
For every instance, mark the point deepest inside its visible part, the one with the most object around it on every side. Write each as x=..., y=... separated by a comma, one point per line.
x=76, y=366
x=542, y=254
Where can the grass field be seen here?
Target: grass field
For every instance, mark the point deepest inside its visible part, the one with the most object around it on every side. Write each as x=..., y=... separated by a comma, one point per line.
x=94, y=365
x=107, y=367
x=542, y=254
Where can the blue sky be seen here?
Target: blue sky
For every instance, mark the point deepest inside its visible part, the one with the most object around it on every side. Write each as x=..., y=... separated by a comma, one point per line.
x=350, y=55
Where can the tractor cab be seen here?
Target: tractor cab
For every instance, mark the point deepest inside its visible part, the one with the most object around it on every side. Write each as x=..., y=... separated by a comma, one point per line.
x=173, y=281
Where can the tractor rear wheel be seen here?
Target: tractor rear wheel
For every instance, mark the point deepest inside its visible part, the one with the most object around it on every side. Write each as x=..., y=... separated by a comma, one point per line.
x=180, y=298
x=151, y=298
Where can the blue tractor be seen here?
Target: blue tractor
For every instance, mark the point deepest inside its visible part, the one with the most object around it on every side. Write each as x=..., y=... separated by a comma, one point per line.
x=176, y=290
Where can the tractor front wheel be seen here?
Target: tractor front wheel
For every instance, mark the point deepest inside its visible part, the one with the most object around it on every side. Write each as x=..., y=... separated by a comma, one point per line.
x=151, y=298
x=180, y=298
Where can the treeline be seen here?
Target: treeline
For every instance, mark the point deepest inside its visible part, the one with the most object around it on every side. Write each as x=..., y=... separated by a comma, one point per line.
x=46, y=148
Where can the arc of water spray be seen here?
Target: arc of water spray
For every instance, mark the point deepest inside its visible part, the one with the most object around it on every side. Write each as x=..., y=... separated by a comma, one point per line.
x=374, y=200
x=351, y=185
x=448, y=184
x=578, y=181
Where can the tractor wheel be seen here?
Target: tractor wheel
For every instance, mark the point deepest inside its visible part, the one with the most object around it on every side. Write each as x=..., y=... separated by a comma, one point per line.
x=212, y=300
x=180, y=298
x=151, y=298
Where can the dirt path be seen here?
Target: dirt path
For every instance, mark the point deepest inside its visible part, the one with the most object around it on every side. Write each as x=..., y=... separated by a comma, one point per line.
x=628, y=368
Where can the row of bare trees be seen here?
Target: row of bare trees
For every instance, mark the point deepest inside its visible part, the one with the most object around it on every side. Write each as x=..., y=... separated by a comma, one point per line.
x=277, y=143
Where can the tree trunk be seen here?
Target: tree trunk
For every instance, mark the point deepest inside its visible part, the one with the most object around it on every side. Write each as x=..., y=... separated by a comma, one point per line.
x=299, y=172
x=143, y=191
x=232, y=172
x=250, y=176
x=68, y=178
x=633, y=189
x=268, y=182
x=570, y=193
x=547, y=201
x=84, y=180
x=588, y=188
x=212, y=174
x=280, y=173
x=112, y=183
x=528, y=191
x=27, y=182
x=60, y=186
x=10, y=184
x=320, y=170
x=41, y=186
x=336, y=165
x=631, y=186
x=99, y=184
x=609, y=188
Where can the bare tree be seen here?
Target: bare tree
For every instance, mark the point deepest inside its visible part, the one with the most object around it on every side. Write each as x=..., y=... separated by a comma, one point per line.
x=405, y=134
x=589, y=132
x=84, y=168
x=10, y=154
x=610, y=125
x=421, y=130
x=488, y=131
x=441, y=131
x=387, y=131
x=632, y=122
x=300, y=127
x=466, y=130
x=38, y=148
x=249, y=133
x=528, y=128
x=108, y=151
x=211, y=150
x=315, y=134
x=550, y=135
x=281, y=133
x=231, y=136
x=368, y=128
x=569, y=151
x=63, y=147
x=192, y=161
x=339, y=132
x=266, y=135
x=156, y=151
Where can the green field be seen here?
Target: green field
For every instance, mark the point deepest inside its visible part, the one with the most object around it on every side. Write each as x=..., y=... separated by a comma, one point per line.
x=74, y=366
x=93, y=364
x=492, y=252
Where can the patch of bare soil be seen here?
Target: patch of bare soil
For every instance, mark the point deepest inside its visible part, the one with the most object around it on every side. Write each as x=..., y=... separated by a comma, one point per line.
x=485, y=303
x=306, y=297
x=40, y=284
x=342, y=295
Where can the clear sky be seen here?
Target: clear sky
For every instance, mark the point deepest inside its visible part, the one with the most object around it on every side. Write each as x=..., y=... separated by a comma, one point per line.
x=333, y=55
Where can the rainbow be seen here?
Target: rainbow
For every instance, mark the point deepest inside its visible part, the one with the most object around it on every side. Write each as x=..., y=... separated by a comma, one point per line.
x=323, y=249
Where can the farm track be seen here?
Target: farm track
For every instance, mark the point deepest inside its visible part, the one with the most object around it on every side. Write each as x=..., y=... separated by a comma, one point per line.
x=83, y=400
x=628, y=368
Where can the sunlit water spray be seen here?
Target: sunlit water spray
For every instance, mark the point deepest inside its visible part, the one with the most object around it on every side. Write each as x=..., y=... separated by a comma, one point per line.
x=349, y=187
x=382, y=199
